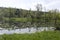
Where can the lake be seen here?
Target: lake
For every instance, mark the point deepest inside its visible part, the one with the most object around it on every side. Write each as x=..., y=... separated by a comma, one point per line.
x=25, y=30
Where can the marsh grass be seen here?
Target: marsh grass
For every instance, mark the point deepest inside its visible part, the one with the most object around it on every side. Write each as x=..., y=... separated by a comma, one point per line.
x=51, y=35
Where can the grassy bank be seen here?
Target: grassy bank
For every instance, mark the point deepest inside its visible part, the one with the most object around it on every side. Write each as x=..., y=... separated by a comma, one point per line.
x=36, y=36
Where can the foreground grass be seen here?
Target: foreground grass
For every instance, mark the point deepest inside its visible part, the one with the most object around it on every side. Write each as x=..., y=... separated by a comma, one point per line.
x=51, y=35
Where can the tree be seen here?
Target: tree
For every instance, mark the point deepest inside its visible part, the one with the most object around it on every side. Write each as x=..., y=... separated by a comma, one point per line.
x=39, y=7
x=38, y=15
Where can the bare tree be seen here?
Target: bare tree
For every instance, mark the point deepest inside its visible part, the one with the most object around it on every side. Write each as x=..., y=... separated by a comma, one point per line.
x=39, y=7
x=38, y=15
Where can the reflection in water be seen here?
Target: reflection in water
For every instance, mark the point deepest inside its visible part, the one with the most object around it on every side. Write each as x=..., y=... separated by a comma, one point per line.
x=25, y=30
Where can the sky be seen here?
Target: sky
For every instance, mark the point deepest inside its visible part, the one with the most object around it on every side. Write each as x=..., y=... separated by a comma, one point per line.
x=27, y=4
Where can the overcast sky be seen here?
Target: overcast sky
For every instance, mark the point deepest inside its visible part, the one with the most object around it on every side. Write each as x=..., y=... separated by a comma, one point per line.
x=27, y=4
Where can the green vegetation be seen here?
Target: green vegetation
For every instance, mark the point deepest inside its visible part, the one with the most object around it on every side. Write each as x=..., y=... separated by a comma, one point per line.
x=27, y=18
x=21, y=18
x=51, y=35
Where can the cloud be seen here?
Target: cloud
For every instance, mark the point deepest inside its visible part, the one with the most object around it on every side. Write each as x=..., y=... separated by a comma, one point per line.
x=53, y=5
x=27, y=4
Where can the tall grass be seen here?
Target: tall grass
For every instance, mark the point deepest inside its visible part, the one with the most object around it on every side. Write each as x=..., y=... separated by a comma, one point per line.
x=51, y=35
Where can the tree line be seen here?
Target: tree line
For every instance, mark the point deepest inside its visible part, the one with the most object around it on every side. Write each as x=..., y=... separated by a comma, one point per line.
x=21, y=18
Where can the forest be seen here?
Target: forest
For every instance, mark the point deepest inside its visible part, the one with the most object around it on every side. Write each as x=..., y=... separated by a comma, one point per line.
x=21, y=18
